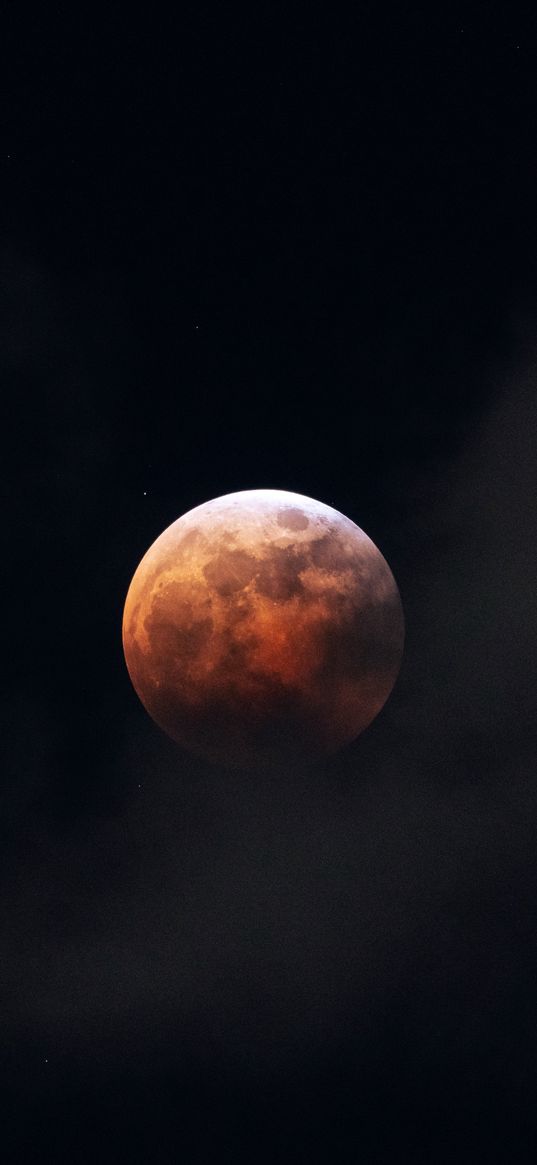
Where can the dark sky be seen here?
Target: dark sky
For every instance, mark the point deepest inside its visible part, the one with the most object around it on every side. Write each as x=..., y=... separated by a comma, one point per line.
x=293, y=250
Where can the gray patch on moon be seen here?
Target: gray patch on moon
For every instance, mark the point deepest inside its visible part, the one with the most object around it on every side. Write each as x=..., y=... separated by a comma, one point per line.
x=329, y=552
x=292, y=518
x=230, y=571
x=277, y=577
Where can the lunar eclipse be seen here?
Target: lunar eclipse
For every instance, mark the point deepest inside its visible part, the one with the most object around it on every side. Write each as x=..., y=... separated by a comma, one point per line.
x=263, y=624
x=260, y=625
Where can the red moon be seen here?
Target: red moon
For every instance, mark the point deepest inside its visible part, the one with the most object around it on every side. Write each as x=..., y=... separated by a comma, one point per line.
x=263, y=625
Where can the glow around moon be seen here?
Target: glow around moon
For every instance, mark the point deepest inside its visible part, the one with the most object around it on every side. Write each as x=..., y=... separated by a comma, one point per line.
x=263, y=625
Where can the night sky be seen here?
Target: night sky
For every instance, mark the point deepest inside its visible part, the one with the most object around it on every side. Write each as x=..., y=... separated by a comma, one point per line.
x=297, y=250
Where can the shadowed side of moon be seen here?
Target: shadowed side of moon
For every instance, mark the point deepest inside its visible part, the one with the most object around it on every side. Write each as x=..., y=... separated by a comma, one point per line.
x=260, y=628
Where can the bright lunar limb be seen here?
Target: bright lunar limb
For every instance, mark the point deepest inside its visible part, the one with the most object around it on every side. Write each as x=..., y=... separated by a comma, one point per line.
x=263, y=625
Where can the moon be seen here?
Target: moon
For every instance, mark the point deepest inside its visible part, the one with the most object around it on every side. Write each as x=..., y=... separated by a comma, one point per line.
x=263, y=625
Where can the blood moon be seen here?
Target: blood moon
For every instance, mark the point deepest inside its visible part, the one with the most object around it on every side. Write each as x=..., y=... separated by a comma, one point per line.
x=263, y=625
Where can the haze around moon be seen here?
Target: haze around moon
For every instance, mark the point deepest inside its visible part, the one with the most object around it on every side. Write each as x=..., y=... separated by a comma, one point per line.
x=262, y=625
